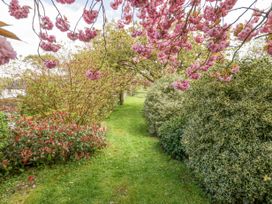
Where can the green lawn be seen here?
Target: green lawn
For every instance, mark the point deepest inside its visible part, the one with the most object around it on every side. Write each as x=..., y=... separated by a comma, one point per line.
x=131, y=170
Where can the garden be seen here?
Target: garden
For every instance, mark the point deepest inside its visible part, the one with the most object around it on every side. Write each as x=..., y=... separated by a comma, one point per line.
x=136, y=102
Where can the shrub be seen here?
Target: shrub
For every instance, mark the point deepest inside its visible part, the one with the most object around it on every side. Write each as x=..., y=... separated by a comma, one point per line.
x=4, y=130
x=47, y=141
x=162, y=102
x=228, y=134
x=67, y=89
x=170, y=134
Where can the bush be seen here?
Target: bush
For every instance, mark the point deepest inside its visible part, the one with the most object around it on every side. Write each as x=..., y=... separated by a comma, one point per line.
x=228, y=134
x=67, y=89
x=4, y=130
x=47, y=141
x=162, y=102
x=170, y=134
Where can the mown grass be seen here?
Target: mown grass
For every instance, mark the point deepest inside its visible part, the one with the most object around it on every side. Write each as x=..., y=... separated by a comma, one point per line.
x=131, y=170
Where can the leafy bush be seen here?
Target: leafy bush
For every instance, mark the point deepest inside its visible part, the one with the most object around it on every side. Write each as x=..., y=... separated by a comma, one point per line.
x=162, y=102
x=228, y=134
x=67, y=89
x=170, y=134
x=47, y=141
x=4, y=130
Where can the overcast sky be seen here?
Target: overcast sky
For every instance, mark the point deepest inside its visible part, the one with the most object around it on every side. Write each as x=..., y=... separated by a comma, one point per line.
x=29, y=42
x=22, y=28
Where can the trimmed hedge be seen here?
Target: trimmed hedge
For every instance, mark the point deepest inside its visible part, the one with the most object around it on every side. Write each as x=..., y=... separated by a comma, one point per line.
x=228, y=134
x=162, y=103
x=170, y=134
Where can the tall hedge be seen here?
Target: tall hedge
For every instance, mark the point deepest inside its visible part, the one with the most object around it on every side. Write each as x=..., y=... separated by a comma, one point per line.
x=162, y=103
x=228, y=134
x=170, y=134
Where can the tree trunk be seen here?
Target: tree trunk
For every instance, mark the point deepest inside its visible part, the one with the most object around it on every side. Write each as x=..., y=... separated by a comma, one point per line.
x=121, y=97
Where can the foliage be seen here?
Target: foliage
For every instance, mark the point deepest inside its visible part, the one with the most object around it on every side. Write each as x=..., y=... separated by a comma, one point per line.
x=170, y=134
x=116, y=53
x=162, y=102
x=68, y=89
x=131, y=170
x=228, y=134
x=4, y=130
x=46, y=141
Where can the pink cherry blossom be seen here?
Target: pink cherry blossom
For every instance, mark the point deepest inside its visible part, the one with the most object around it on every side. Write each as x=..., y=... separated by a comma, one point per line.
x=18, y=11
x=48, y=46
x=269, y=47
x=46, y=23
x=62, y=24
x=142, y=50
x=72, y=36
x=6, y=51
x=87, y=34
x=235, y=69
x=168, y=26
x=115, y=4
x=90, y=16
x=93, y=74
x=50, y=64
x=46, y=37
x=199, y=39
x=136, y=33
x=181, y=85
x=65, y=1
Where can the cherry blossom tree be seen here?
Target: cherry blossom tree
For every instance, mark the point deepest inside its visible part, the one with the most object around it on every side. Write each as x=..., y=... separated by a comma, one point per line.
x=167, y=24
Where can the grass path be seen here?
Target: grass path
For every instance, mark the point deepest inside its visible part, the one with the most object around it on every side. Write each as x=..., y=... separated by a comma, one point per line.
x=131, y=170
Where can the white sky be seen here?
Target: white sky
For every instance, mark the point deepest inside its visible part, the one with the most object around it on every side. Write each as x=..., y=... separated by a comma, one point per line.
x=23, y=27
x=28, y=45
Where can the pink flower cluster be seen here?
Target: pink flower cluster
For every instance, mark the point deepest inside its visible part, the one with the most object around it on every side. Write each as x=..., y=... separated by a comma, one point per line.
x=65, y=1
x=72, y=36
x=46, y=37
x=18, y=11
x=181, y=85
x=138, y=3
x=267, y=28
x=87, y=34
x=169, y=26
x=245, y=32
x=192, y=73
x=46, y=23
x=6, y=51
x=62, y=24
x=136, y=33
x=142, y=50
x=50, y=63
x=93, y=74
x=90, y=16
x=49, y=47
x=115, y=4
x=269, y=47
x=199, y=39
x=48, y=42
x=225, y=77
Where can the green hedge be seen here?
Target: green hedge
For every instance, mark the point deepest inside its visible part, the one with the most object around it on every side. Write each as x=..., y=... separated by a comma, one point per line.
x=162, y=103
x=228, y=134
x=170, y=134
